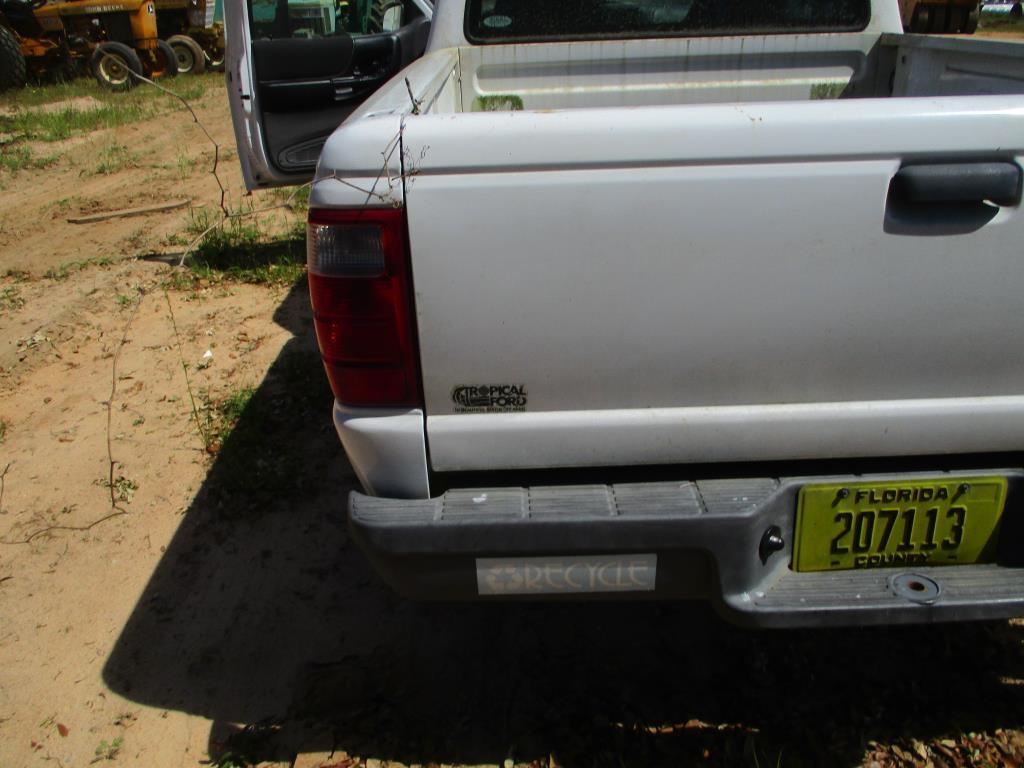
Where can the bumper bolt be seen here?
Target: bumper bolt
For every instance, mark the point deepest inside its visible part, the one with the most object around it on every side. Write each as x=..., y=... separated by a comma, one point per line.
x=771, y=541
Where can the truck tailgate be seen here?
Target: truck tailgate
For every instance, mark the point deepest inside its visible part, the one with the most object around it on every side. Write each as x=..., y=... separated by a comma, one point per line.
x=725, y=282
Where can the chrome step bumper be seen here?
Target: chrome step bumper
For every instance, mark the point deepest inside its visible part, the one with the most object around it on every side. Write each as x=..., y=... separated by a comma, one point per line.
x=725, y=540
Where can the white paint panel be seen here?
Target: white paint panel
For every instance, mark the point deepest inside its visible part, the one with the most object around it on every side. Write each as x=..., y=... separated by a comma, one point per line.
x=387, y=448
x=657, y=261
x=723, y=434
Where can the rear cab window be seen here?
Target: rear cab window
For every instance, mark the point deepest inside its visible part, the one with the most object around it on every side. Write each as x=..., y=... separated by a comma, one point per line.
x=509, y=21
x=280, y=19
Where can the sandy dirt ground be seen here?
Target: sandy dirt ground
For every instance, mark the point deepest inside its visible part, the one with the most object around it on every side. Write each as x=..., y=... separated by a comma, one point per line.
x=172, y=594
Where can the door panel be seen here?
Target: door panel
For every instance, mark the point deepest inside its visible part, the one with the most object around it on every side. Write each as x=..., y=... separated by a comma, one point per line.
x=299, y=68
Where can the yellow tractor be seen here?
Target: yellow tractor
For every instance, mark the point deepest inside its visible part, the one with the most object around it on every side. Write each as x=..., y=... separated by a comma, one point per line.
x=195, y=30
x=112, y=38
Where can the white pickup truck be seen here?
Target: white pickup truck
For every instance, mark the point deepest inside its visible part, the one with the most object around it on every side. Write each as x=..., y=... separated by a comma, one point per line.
x=662, y=298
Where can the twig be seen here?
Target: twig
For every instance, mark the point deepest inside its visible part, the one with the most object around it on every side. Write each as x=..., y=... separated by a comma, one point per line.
x=3, y=480
x=415, y=103
x=49, y=528
x=226, y=214
x=203, y=435
x=195, y=117
x=112, y=464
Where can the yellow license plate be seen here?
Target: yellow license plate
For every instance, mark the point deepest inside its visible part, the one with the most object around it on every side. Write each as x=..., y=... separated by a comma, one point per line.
x=879, y=524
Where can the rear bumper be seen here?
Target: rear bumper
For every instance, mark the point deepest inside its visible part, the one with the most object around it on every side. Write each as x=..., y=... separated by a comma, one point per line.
x=704, y=539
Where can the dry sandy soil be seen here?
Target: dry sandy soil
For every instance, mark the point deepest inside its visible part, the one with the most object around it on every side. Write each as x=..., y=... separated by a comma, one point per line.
x=207, y=608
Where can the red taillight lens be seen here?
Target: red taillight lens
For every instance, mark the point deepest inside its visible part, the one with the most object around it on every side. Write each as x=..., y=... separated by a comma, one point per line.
x=361, y=291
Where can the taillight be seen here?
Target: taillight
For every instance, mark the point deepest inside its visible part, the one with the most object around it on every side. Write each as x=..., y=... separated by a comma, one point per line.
x=361, y=291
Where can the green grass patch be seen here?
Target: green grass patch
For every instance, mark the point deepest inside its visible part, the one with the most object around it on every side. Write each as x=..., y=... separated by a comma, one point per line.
x=108, y=750
x=239, y=250
x=191, y=87
x=30, y=119
x=11, y=298
x=68, y=268
x=60, y=124
x=216, y=420
x=296, y=198
x=498, y=103
x=820, y=91
x=230, y=409
x=18, y=158
x=115, y=157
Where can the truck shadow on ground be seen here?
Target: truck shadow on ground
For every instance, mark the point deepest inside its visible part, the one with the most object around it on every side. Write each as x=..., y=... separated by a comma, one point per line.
x=262, y=612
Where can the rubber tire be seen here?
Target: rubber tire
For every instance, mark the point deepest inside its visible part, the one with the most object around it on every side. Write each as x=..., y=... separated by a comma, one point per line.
x=129, y=59
x=13, y=71
x=971, y=25
x=182, y=43
x=922, y=20
x=171, y=59
x=378, y=8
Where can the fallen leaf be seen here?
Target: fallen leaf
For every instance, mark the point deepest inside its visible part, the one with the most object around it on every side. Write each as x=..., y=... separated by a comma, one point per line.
x=62, y=729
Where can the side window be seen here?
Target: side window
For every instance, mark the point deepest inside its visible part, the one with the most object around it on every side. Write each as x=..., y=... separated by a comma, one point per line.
x=277, y=19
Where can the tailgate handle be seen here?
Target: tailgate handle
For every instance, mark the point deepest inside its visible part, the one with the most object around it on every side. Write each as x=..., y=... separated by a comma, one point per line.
x=995, y=182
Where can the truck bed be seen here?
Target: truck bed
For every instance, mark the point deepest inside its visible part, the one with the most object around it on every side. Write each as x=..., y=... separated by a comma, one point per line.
x=721, y=70
x=693, y=250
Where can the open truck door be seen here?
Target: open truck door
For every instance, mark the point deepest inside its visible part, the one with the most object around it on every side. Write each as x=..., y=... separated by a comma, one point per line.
x=297, y=68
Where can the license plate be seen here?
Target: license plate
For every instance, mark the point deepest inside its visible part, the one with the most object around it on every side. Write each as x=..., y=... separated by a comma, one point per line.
x=880, y=524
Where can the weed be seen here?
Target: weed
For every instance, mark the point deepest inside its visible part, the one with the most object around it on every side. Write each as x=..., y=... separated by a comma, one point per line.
x=69, y=268
x=296, y=199
x=823, y=91
x=10, y=298
x=18, y=158
x=115, y=157
x=139, y=421
x=109, y=751
x=230, y=410
x=60, y=124
x=498, y=103
x=239, y=251
x=185, y=166
x=252, y=744
x=3, y=430
x=29, y=119
x=123, y=301
x=61, y=206
x=124, y=488
x=219, y=419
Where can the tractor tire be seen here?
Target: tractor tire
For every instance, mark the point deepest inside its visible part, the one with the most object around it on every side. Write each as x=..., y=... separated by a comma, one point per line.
x=165, y=61
x=113, y=66
x=13, y=72
x=971, y=24
x=191, y=59
x=379, y=10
